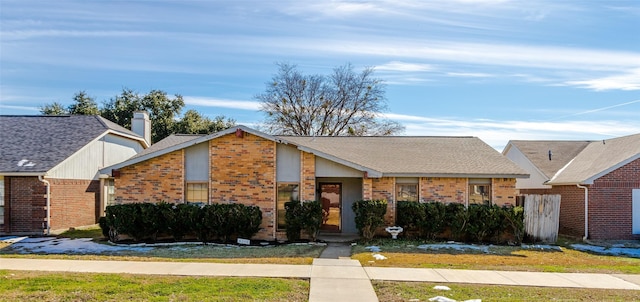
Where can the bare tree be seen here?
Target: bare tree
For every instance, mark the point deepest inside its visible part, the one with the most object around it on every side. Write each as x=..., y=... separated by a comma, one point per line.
x=343, y=103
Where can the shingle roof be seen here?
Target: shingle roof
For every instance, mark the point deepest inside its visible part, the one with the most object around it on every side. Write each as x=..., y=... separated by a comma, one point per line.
x=168, y=142
x=598, y=159
x=38, y=143
x=537, y=151
x=389, y=155
x=411, y=155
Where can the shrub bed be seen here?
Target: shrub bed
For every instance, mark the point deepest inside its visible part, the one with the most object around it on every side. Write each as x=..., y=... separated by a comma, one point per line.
x=369, y=216
x=148, y=221
x=454, y=221
x=302, y=216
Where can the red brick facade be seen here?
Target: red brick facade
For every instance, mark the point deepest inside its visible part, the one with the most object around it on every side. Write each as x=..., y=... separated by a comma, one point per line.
x=610, y=202
x=73, y=203
x=443, y=189
x=243, y=170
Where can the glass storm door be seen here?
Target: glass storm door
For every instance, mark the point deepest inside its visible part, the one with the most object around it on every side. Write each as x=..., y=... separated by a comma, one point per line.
x=331, y=200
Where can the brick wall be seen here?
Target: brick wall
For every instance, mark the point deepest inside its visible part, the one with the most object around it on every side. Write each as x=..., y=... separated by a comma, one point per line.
x=504, y=191
x=308, y=176
x=243, y=170
x=367, y=188
x=571, y=208
x=74, y=202
x=154, y=180
x=384, y=188
x=25, y=204
x=443, y=189
x=610, y=203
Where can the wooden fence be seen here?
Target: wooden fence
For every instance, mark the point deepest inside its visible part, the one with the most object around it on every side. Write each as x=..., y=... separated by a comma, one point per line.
x=542, y=217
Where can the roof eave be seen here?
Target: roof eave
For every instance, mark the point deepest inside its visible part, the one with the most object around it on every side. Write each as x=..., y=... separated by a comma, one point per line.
x=456, y=175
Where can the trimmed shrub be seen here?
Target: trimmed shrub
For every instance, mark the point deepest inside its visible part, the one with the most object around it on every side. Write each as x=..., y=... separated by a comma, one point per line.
x=514, y=220
x=302, y=216
x=410, y=215
x=144, y=221
x=484, y=221
x=369, y=216
x=435, y=219
x=457, y=219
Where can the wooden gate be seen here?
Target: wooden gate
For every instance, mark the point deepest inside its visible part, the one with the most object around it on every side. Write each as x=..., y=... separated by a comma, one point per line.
x=542, y=217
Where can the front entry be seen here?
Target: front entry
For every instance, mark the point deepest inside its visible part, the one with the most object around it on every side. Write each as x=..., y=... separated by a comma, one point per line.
x=331, y=199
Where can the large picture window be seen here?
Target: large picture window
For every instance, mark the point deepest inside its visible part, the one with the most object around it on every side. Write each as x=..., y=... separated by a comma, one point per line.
x=286, y=192
x=480, y=191
x=197, y=192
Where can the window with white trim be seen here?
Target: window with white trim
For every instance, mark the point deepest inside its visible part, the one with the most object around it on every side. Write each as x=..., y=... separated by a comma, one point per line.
x=407, y=189
x=480, y=191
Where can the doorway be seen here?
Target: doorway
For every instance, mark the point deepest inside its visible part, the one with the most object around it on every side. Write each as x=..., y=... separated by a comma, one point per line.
x=331, y=200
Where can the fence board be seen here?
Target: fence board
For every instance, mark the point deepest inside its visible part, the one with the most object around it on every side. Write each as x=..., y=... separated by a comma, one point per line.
x=542, y=217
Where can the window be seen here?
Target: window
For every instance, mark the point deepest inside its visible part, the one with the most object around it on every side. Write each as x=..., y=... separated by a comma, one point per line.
x=407, y=192
x=480, y=191
x=286, y=192
x=110, y=191
x=407, y=189
x=1, y=200
x=197, y=192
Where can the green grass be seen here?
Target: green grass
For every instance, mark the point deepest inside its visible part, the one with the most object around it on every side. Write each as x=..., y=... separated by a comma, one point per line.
x=405, y=291
x=91, y=232
x=44, y=286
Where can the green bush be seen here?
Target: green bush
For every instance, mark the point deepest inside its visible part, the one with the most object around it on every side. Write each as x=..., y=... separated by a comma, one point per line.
x=410, y=215
x=514, y=219
x=484, y=222
x=435, y=222
x=369, y=216
x=457, y=219
x=302, y=216
x=144, y=221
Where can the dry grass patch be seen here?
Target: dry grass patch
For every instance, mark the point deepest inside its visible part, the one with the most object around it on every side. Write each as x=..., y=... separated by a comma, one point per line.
x=499, y=258
x=419, y=291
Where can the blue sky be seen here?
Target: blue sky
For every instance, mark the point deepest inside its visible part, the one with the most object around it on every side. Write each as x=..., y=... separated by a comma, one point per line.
x=495, y=69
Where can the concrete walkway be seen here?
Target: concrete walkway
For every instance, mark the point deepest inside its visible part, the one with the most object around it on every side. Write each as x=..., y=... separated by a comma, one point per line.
x=332, y=279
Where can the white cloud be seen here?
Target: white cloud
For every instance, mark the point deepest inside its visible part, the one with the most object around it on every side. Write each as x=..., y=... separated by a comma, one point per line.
x=625, y=81
x=213, y=102
x=403, y=66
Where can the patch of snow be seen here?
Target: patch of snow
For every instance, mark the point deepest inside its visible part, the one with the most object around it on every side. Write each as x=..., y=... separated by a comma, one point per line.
x=373, y=249
x=379, y=257
x=441, y=299
x=441, y=287
x=12, y=239
x=542, y=247
x=613, y=251
x=51, y=245
x=455, y=246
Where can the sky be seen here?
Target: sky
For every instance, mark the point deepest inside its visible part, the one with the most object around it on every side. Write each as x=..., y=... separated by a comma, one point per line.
x=499, y=70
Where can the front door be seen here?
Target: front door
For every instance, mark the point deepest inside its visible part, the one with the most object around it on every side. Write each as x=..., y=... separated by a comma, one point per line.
x=331, y=199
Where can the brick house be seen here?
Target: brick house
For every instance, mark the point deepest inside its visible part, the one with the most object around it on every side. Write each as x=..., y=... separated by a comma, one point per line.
x=599, y=183
x=243, y=165
x=49, y=169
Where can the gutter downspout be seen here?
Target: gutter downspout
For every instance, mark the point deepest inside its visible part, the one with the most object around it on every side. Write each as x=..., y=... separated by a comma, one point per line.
x=586, y=211
x=46, y=182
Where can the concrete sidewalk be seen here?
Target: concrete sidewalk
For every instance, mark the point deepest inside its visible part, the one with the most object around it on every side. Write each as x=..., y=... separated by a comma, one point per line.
x=332, y=279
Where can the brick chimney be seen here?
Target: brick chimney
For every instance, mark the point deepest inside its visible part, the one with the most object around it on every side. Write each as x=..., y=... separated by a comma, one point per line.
x=141, y=125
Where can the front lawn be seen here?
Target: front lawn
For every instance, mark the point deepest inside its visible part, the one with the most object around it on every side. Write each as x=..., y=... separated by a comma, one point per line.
x=402, y=253
x=46, y=286
x=419, y=291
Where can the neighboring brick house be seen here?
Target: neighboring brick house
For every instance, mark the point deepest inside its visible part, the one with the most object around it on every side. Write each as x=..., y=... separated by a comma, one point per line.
x=599, y=183
x=242, y=165
x=49, y=169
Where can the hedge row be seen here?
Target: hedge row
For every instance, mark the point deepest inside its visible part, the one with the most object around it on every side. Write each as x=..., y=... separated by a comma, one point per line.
x=454, y=221
x=302, y=216
x=148, y=221
x=369, y=215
